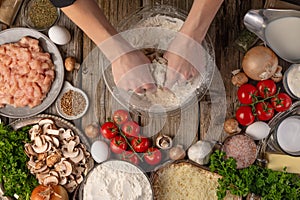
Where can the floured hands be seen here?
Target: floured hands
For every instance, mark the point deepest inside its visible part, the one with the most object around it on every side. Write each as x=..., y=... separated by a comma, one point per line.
x=131, y=72
x=185, y=60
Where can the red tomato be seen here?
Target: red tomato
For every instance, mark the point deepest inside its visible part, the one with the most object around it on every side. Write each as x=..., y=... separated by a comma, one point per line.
x=153, y=156
x=130, y=129
x=130, y=157
x=121, y=116
x=118, y=144
x=266, y=88
x=247, y=93
x=264, y=111
x=140, y=144
x=281, y=102
x=244, y=115
x=109, y=130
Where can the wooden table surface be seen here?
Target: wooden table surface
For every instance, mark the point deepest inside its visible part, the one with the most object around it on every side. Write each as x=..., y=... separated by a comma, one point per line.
x=203, y=120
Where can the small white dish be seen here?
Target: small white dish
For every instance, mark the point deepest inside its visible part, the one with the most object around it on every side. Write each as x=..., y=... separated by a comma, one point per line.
x=81, y=107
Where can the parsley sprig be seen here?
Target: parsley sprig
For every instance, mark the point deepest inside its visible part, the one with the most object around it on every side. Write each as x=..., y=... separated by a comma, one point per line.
x=269, y=184
x=14, y=174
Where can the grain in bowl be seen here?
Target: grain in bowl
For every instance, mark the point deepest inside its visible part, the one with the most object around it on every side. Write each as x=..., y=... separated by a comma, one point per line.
x=185, y=181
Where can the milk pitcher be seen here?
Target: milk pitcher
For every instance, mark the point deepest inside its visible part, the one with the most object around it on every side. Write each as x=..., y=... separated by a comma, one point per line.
x=279, y=29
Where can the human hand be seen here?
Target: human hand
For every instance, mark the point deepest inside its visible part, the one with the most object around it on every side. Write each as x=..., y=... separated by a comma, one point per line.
x=185, y=60
x=131, y=72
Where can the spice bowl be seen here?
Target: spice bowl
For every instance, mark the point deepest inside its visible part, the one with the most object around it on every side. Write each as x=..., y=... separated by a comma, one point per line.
x=40, y=14
x=72, y=103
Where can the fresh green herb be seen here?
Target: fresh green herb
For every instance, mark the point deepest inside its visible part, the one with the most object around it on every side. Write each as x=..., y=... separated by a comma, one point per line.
x=14, y=174
x=269, y=184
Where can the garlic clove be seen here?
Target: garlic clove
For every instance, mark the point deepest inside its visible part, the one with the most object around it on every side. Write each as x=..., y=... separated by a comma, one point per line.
x=200, y=152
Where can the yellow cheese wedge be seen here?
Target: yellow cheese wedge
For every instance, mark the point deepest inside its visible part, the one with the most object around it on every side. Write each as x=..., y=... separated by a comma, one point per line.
x=277, y=162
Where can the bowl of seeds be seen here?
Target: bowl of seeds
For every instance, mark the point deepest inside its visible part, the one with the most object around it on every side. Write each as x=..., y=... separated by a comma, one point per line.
x=40, y=14
x=72, y=103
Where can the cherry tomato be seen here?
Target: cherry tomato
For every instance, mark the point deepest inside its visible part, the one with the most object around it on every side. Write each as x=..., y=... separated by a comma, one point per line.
x=281, y=102
x=130, y=157
x=120, y=116
x=130, y=129
x=244, y=115
x=109, y=130
x=266, y=88
x=118, y=144
x=264, y=111
x=153, y=156
x=140, y=144
x=247, y=93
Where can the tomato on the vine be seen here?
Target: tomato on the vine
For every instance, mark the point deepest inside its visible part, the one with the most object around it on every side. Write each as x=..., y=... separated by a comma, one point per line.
x=281, y=102
x=120, y=116
x=247, y=93
x=153, y=156
x=130, y=156
x=118, y=144
x=264, y=111
x=266, y=88
x=244, y=115
x=140, y=144
x=109, y=130
x=130, y=129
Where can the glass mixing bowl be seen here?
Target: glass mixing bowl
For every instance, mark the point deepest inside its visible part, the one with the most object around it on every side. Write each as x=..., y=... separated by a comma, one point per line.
x=156, y=36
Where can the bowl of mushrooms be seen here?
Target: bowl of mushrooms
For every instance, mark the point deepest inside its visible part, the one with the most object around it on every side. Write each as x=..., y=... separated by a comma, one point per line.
x=58, y=152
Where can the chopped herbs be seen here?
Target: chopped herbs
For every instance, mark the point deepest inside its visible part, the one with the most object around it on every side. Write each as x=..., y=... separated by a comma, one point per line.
x=14, y=175
x=269, y=184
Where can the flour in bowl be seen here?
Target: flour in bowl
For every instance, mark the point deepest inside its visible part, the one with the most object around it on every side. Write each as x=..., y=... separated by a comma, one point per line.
x=156, y=33
x=117, y=180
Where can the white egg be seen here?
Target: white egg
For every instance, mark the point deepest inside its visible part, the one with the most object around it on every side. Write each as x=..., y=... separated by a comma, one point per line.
x=100, y=151
x=258, y=130
x=59, y=35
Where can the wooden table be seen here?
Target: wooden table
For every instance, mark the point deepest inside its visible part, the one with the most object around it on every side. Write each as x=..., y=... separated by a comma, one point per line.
x=200, y=121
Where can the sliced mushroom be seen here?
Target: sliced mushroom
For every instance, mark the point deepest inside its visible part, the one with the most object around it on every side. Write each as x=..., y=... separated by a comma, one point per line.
x=45, y=121
x=50, y=180
x=52, y=159
x=66, y=134
x=52, y=132
x=41, y=156
x=29, y=151
x=71, y=186
x=69, y=150
x=64, y=168
x=55, y=142
x=41, y=149
x=63, y=180
x=79, y=179
x=34, y=132
x=78, y=158
x=44, y=168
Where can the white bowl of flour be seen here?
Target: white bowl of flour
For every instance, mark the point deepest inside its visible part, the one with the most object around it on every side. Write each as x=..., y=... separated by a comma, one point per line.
x=116, y=179
x=155, y=28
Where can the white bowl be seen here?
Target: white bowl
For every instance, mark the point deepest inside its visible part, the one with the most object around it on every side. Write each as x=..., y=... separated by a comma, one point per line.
x=67, y=87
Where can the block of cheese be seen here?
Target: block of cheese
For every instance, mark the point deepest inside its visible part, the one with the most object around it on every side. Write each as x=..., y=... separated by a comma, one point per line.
x=277, y=161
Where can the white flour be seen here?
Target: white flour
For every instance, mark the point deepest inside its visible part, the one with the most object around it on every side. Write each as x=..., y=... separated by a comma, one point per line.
x=115, y=180
x=145, y=36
